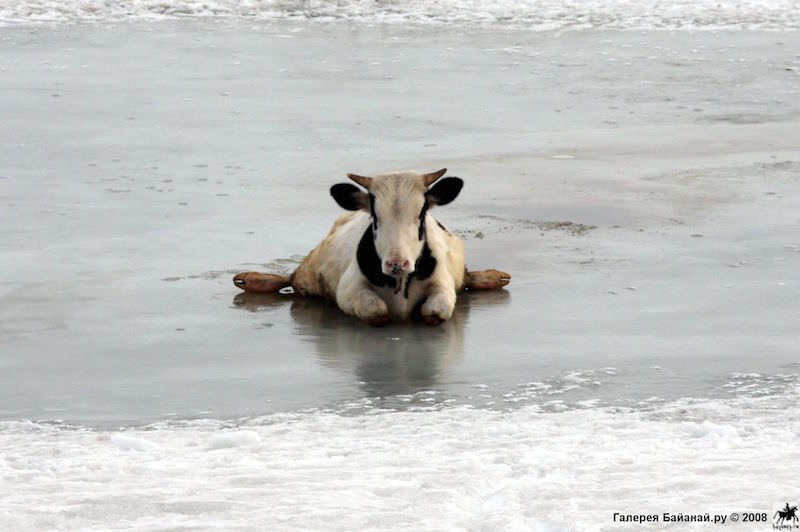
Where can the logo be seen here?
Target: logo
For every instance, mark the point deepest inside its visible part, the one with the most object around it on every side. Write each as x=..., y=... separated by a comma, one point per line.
x=786, y=518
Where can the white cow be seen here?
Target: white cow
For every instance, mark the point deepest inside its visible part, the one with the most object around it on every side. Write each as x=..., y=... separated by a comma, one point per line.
x=388, y=259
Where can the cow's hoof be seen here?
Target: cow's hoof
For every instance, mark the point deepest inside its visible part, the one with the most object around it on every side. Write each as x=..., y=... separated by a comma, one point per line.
x=377, y=321
x=264, y=283
x=487, y=280
x=433, y=319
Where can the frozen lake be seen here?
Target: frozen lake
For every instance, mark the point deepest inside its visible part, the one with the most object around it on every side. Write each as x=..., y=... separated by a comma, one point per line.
x=640, y=186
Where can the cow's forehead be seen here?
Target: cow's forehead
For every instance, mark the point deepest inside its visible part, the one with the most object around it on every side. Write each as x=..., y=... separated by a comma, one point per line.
x=398, y=185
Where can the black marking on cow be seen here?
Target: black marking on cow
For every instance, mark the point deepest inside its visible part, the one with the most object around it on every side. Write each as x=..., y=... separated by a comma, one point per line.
x=370, y=263
x=425, y=264
x=422, y=216
x=443, y=227
x=424, y=267
x=416, y=312
x=408, y=284
x=372, y=212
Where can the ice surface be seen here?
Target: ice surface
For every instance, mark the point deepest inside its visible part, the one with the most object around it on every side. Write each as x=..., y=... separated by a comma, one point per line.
x=125, y=217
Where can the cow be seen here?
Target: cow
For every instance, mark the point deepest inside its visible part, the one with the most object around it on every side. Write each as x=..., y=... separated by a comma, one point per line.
x=388, y=258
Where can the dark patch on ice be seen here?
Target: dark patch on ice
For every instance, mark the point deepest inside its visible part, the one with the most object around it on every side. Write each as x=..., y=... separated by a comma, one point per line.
x=499, y=224
x=742, y=118
x=208, y=276
x=283, y=266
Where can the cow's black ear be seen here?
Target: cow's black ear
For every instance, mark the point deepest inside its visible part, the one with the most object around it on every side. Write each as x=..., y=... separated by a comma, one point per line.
x=444, y=191
x=349, y=196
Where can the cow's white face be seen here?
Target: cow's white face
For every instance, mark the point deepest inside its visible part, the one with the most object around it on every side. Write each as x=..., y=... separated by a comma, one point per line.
x=398, y=204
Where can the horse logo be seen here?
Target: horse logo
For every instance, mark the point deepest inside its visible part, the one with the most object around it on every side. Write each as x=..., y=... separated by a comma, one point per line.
x=787, y=516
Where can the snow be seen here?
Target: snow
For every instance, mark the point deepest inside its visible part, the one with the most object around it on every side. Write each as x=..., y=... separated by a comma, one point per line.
x=447, y=469
x=126, y=442
x=532, y=14
x=227, y=440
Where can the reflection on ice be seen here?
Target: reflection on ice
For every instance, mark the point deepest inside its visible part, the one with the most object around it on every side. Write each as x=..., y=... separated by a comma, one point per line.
x=399, y=359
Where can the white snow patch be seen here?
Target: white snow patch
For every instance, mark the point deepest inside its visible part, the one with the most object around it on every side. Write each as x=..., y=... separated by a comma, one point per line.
x=226, y=440
x=131, y=443
x=447, y=469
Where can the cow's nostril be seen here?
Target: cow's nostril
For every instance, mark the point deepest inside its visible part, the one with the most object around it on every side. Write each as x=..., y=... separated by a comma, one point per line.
x=406, y=264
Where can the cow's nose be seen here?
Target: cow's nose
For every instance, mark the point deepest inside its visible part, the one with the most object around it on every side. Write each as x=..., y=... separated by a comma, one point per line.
x=398, y=266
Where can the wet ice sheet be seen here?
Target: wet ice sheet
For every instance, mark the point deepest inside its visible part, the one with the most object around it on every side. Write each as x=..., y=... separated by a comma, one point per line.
x=135, y=184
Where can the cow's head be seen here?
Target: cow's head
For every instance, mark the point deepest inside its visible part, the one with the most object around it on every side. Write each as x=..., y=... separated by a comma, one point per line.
x=398, y=204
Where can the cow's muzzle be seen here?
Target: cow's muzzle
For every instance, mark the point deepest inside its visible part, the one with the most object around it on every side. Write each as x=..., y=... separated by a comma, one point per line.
x=397, y=267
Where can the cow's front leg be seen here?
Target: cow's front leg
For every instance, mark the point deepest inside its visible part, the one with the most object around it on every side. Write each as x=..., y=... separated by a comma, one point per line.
x=355, y=296
x=370, y=308
x=439, y=305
